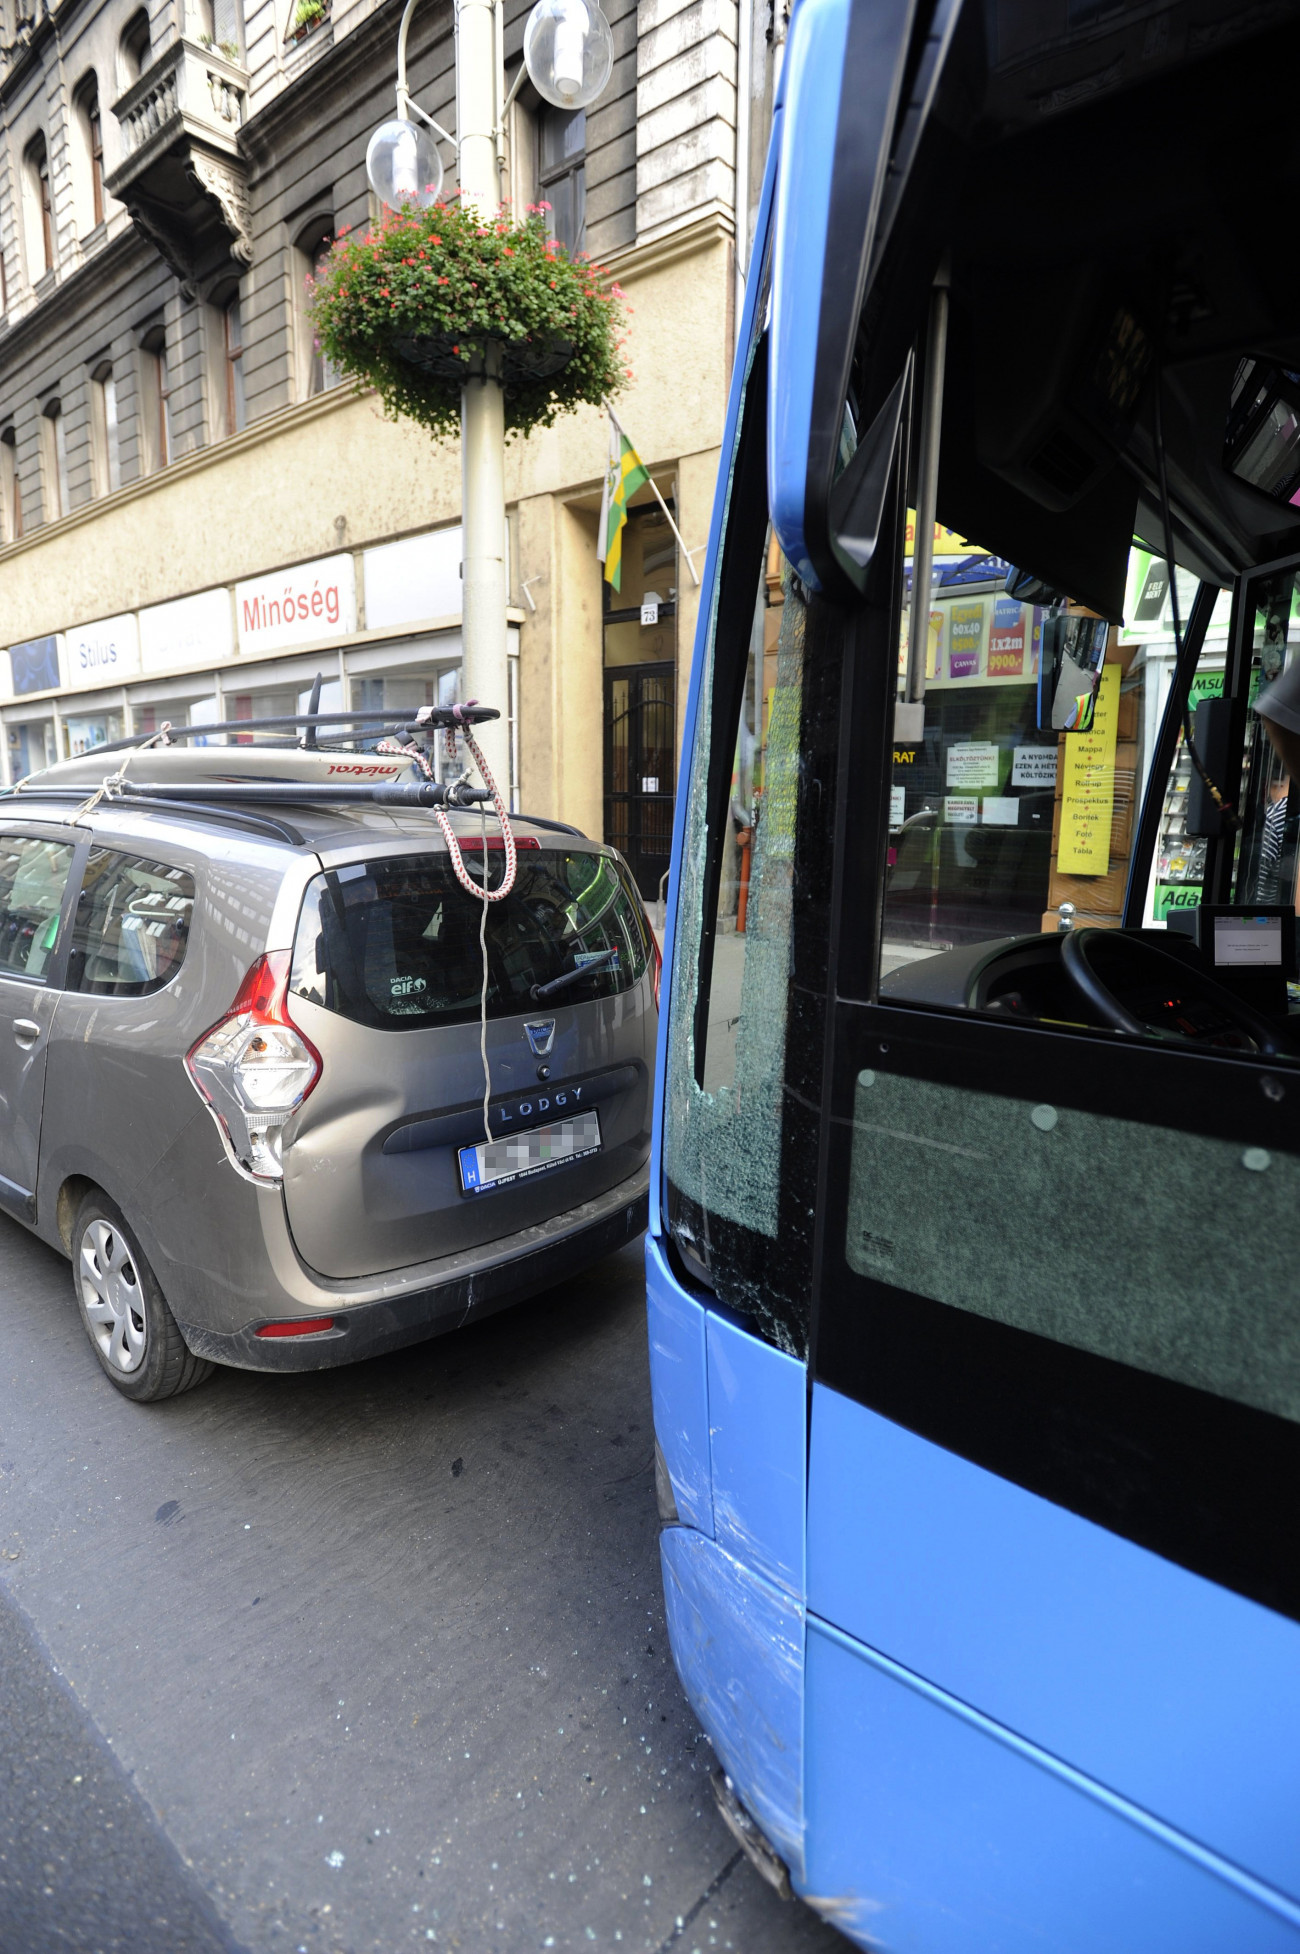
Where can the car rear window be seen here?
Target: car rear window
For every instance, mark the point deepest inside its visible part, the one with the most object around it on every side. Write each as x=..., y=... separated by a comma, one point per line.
x=131, y=926
x=394, y=943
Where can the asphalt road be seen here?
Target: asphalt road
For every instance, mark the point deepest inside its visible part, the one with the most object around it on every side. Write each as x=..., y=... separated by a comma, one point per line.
x=361, y=1661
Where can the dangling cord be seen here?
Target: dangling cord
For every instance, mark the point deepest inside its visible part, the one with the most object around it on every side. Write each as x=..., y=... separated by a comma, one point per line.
x=1231, y=819
x=483, y=994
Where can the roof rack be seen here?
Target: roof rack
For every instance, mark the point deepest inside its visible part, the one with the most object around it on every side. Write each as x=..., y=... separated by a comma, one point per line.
x=374, y=722
x=255, y=823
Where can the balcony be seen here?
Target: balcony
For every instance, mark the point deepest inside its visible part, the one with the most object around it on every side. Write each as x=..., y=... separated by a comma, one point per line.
x=183, y=179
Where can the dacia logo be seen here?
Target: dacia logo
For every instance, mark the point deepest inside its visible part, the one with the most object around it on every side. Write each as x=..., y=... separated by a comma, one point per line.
x=541, y=1036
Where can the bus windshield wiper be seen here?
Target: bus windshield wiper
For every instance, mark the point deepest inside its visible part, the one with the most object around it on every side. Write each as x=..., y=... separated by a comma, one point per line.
x=598, y=962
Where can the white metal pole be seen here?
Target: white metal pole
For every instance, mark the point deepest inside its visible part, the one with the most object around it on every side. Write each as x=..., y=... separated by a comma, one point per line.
x=484, y=668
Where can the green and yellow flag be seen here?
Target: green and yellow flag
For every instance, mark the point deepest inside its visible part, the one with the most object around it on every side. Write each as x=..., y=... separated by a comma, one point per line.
x=625, y=474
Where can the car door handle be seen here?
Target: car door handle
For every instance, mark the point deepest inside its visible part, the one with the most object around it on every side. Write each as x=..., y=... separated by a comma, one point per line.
x=26, y=1031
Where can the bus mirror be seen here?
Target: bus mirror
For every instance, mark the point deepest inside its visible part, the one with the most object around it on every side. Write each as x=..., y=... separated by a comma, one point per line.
x=1071, y=656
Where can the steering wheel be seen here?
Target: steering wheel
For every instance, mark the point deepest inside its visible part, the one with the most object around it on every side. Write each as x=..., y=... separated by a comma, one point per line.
x=1149, y=966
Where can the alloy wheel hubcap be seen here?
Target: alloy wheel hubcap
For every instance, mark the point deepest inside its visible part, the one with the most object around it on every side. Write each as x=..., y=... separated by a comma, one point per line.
x=110, y=1290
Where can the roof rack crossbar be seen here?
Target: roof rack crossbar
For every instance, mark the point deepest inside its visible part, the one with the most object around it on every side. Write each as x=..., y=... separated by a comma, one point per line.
x=267, y=824
x=423, y=793
x=375, y=720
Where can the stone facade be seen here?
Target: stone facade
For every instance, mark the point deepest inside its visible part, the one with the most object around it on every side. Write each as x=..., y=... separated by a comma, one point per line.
x=166, y=427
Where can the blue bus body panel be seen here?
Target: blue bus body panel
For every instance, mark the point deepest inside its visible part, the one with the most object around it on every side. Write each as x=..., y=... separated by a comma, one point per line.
x=738, y=1642
x=929, y=1832
x=757, y=1400
x=679, y=1388
x=814, y=65
x=1172, y=1691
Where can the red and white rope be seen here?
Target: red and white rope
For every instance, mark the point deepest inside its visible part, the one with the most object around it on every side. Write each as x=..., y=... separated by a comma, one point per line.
x=462, y=874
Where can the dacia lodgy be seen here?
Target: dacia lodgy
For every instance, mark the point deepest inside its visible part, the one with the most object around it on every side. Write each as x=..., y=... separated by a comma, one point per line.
x=242, y=1075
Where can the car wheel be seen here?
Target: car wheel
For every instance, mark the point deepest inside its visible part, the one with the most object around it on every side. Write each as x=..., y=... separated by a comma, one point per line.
x=132, y=1331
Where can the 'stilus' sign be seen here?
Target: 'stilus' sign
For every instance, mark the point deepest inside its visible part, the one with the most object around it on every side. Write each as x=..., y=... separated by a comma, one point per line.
x=107, y=650
x=314, y=602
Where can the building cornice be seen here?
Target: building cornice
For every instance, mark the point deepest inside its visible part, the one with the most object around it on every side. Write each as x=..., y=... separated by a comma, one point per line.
x=656, y=254
x=300, y=414
x=116, y=251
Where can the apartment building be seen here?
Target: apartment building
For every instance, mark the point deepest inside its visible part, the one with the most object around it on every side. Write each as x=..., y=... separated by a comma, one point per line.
x=177, y=460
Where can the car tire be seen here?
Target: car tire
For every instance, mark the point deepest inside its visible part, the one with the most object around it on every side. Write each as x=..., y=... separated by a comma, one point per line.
x=131, y=1330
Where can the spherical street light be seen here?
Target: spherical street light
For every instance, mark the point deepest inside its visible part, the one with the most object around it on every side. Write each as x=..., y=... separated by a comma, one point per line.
x=403, y=165
x=568, y=52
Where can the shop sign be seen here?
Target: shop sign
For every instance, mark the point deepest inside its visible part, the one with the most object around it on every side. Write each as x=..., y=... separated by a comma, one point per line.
x=961, y=809
x=1007, y=639
x=973, y=765
x=1034, y=766
x=414, y=580
x=1088, y=786
x=189, y=631
x=312, y=604
x=35, y=665
x=965, y=640
x=97, y=654
x=1171, y=896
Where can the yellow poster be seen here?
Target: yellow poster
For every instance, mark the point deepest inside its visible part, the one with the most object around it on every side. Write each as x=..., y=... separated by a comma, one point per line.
x=1088, y=786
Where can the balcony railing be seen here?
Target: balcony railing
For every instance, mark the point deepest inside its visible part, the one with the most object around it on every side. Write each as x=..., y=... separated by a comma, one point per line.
x=189, y=88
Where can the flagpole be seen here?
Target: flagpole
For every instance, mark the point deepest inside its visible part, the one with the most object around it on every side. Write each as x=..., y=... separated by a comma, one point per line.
x=681, y=541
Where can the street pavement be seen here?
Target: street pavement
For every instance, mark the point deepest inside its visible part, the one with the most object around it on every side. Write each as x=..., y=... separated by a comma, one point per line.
x=355, y=1662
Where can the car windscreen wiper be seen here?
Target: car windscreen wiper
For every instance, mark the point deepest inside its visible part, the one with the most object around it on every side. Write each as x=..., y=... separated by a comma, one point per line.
x=600, y=961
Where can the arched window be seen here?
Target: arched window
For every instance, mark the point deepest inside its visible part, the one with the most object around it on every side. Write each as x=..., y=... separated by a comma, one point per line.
x=10, y=487
x=562, y=173
x=89, y=181
x=133, y=48
x=55, y=461
x=107, y=450
x=315, y=245
x=155, y=401
x=232, y=336
x=39, y=209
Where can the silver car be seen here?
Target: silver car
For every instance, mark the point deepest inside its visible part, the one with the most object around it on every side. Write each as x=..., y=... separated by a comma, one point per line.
x=242, y=1066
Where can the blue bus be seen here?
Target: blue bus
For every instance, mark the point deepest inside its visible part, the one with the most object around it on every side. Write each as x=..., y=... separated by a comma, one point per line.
x=974, y=1253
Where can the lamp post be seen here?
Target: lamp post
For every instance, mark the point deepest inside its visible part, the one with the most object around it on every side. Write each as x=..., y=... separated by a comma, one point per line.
x=568, y=56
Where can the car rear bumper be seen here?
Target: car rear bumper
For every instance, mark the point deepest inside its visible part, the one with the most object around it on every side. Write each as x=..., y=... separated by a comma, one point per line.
x=474, y=1285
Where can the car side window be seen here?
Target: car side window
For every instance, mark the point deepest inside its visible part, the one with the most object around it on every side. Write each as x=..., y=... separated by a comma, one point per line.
x=33, y=877
x=131, y=926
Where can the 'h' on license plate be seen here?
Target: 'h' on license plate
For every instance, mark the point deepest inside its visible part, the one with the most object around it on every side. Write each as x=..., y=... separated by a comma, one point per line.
x=496, y=1162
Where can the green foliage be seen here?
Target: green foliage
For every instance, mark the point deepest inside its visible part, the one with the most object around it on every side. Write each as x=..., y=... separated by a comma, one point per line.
x=432, y=297
x=307, y=13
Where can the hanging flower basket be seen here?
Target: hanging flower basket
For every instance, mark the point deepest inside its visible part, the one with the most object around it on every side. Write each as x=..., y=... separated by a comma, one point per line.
x=433, y=298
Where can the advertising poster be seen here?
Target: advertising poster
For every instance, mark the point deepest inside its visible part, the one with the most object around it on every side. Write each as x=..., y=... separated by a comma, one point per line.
x=1088, y=786
x=1007, y=639
x=965, y=640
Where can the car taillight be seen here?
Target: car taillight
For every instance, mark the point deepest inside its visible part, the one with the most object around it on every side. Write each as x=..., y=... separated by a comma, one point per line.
x=254, y=1068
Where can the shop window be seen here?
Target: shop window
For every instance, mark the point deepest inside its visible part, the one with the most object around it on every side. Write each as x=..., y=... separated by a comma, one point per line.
x=133, y=48
x=89, y=157
x=55, y=440
x=105, y=437
x=38, y=208
x=156, y=399
x=232, y=342
x=562, y=173
x=10, y=486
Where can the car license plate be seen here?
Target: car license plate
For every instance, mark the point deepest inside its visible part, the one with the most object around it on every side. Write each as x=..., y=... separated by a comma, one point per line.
x=518, y=1156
